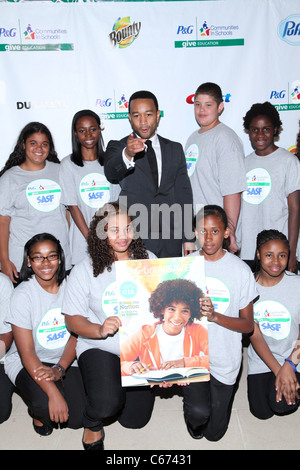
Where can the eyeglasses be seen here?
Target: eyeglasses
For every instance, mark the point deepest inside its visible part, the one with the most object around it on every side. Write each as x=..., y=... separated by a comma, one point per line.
x=40, y=259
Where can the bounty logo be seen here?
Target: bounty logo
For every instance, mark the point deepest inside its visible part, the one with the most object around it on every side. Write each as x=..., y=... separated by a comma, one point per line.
x=124, y=33
x=289, y=30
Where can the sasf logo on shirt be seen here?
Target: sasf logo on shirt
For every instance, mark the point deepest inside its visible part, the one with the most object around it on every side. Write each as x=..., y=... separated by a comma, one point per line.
x=43, y=195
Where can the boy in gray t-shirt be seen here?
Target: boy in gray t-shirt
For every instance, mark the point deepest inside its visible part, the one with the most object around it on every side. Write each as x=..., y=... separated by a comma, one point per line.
x=215, y=158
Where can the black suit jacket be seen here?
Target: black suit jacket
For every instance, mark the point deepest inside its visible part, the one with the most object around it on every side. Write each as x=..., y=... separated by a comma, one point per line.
x=164, y=239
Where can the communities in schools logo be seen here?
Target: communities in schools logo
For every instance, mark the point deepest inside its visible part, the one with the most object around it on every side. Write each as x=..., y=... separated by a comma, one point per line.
x=124, y=32
x=289, y=30
x=114, y=106
x=33, y=38
x=204, y=34
x=286, y=98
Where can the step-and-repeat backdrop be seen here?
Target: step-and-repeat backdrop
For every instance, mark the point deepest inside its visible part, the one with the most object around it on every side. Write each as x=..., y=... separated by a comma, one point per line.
x=57, y=57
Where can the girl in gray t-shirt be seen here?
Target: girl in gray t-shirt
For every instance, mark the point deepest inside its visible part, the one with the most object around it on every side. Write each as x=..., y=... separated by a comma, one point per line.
x=30, y=197
x=271, y=200
x=228, y=305
x=111, y=237
x=84, y=185
x=38, y=363
x=274, y=352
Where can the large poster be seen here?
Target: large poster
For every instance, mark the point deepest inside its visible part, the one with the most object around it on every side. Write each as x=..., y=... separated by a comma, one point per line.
x=57, y=57
x=163, y=336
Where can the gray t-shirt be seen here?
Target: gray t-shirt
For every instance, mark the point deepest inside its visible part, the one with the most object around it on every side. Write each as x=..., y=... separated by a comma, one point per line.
x=215, y=162
x=6, y=290
x=277, y=312
x=35, y=309
x=32, y=200
x=270, y=180
x=95, y=299
x=231, y=286
x=87, y=188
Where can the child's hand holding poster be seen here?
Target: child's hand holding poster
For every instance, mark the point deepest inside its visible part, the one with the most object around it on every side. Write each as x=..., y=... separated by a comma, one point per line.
x=162, y=328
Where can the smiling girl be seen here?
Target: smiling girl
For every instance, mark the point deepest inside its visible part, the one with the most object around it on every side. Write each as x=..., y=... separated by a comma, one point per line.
x=272, y=199
x=89, y=295
x=229, y=311
x=30, y=197
x=38, y=363
x=85, y=188
x=274, y=352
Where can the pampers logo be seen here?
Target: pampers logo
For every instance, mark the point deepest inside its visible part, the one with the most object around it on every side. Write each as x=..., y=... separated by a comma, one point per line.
x=124, y=33
x=289, y=30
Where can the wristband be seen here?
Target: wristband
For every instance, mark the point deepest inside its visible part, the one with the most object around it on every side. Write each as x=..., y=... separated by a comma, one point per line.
x=291, y=363
x=60, y=368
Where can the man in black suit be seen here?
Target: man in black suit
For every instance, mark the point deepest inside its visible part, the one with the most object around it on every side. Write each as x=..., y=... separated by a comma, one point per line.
x=156, y=184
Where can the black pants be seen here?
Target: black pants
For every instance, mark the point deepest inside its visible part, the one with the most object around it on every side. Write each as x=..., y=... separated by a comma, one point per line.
x=196, y=403
x=37, y=400
x=262, y=396
x=131, y=406
x=6, y=391
x=106, y=399
x=221, y=399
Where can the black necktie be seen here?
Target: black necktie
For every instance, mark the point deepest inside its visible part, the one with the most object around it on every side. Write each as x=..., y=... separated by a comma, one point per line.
x=152, y=162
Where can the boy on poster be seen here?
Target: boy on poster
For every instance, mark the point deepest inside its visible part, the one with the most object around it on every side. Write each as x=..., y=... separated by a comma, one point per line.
x=162, y=332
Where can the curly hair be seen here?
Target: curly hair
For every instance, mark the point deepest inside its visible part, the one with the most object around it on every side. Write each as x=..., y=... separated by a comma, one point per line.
x=263, y=109
x=176, y=290
x=263, y=237
x=99, y=248
x=18, y=155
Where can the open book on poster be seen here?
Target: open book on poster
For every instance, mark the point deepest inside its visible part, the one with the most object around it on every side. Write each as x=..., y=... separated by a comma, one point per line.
x=176, y=374
x=159, y=307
